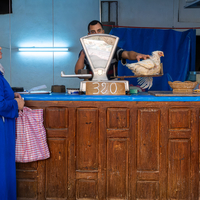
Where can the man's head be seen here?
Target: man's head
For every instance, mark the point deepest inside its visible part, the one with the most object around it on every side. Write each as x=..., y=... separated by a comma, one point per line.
x=95, y=27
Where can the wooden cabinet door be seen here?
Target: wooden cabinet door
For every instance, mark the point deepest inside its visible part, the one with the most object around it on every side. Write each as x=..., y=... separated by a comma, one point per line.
x=87, y=153
x=148, y=153
x=50, y=178
x=167, y=153
x=102, y=158
x=182, y=152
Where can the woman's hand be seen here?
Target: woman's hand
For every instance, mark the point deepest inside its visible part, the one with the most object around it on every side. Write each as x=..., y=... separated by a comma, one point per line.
x=17, y=95
x=20, y=103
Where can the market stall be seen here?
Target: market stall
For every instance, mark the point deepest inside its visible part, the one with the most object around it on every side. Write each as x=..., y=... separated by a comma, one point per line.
x=137, y=146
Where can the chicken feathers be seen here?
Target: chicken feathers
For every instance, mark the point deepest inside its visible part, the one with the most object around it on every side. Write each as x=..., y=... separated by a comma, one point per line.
x=149, y=66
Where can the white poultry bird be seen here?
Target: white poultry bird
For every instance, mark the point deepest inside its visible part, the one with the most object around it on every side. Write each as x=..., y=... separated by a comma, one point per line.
x=149, y=66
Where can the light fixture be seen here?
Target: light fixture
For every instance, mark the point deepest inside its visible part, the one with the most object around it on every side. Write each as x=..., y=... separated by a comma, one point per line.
x=192, y=4
x=43, y=49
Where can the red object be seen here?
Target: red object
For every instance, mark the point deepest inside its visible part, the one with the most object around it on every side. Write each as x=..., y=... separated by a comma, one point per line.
x=31, y=144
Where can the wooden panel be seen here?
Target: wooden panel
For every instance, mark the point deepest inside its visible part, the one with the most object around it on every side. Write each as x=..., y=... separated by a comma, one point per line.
x=56, y=117
x=148, y=140
x=147, y=190
x=117, y=168
x=102, y=169
x=27, y=166
x=148, y=176
x=164, y=138
x=179, y=134
x=86, y=189
x=26, y=189
x=56, y=169
x=179, y=118
x=194, y=154
x=57, y=133
x=118, y=118
x=87, y=139
x=86, y=175
x=71, y=155
x=199, y=158
x=41, y=179
x=118, y=133
x=132, y=152
x=179, y=169
x=26, y=174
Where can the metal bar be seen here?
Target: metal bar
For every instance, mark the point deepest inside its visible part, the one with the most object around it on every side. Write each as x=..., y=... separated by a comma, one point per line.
x=108, y=11
x=76, y=75
x=101, y=3
x=117, y=13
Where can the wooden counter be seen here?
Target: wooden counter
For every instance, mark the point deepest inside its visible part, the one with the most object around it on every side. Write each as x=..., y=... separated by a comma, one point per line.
x=115, y=150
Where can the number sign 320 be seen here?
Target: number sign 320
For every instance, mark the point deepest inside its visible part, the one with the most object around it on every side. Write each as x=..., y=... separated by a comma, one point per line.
x=105, y=88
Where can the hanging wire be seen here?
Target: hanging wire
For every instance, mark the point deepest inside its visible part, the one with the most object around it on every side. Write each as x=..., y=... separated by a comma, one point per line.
x=10, y=9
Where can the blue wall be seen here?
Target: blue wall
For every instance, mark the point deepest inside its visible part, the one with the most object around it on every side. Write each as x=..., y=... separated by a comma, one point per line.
x=44, y=23
x=62, y=23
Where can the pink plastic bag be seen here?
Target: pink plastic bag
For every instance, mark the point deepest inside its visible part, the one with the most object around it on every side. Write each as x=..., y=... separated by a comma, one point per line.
x=31, y=144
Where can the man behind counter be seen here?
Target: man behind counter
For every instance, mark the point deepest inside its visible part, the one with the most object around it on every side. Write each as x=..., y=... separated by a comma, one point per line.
x=95, y=27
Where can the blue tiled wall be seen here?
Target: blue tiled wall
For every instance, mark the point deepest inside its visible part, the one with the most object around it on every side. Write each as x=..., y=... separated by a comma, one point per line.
x=44, y=23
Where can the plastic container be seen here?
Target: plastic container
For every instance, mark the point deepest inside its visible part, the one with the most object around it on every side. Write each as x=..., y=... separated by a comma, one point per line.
x=58, y=88
x=198, y=76
x=134, y=89
x=192, y=76
x=73, y=90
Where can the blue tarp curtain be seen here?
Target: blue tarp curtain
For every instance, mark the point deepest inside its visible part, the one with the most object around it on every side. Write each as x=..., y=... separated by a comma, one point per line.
x=179, y=52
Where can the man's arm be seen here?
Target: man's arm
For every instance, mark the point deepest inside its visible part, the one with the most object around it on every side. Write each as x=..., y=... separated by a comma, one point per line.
x=132, y=55
x=80, y=62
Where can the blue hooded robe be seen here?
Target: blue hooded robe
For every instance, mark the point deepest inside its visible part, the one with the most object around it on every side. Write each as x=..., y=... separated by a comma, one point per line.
x=8, y=113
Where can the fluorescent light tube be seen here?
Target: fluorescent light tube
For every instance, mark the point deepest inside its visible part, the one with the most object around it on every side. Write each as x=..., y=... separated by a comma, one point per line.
x=43, y=49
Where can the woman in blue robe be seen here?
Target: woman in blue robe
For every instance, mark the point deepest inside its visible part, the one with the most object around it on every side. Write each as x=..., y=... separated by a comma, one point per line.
x=10, y=103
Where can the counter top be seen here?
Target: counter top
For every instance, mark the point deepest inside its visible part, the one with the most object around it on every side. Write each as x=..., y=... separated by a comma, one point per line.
x=143, y=96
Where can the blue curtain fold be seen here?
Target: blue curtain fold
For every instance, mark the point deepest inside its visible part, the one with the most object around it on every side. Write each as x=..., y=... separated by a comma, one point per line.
x=179, y=49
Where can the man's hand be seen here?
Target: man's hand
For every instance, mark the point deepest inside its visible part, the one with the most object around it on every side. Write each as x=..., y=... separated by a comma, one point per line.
x=142, y=56
x=132, y=55
x=80, y=62
x=82, y=53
